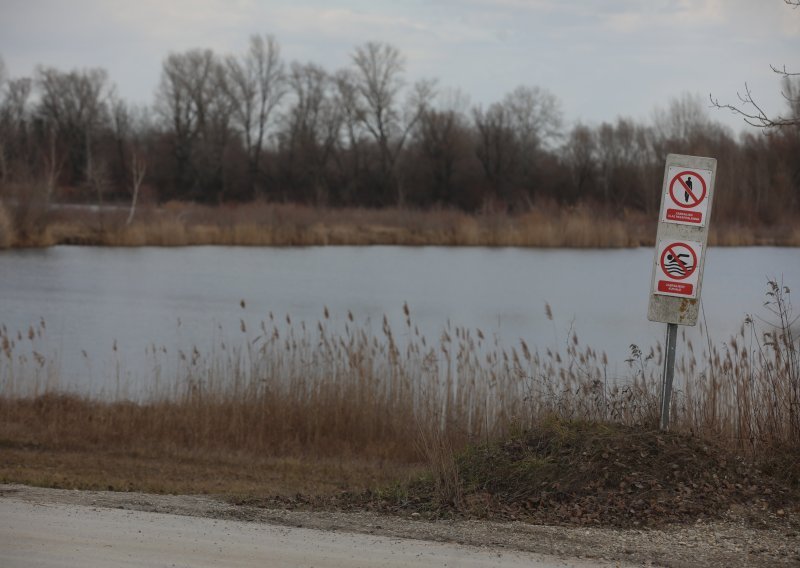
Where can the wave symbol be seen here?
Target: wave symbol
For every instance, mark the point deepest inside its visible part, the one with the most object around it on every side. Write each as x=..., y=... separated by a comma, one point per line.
x=679, y=266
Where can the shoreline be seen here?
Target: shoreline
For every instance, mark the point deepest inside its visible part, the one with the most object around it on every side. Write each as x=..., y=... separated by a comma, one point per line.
x=286, y=225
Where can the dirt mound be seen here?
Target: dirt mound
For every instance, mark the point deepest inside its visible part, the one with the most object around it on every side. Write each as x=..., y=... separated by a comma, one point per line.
x=588, y=473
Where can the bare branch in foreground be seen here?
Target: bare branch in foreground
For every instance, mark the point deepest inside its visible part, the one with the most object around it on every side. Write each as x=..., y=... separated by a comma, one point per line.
x=756, y=117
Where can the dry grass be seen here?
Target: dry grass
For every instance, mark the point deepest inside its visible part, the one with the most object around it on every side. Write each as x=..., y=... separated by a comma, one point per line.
x=266, y=224
x=231, y=473
x=337, y=393
x=260, y=224
x=736, y=235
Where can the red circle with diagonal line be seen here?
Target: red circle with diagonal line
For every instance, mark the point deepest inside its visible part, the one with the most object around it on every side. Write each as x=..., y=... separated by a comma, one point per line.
x=693, y=193
x=688, y=270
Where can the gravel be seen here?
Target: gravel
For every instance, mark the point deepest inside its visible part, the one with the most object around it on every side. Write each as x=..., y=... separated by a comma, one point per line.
x=734, y=541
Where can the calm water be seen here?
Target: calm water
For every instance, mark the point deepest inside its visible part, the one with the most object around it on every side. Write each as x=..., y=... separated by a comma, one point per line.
x=95, y=298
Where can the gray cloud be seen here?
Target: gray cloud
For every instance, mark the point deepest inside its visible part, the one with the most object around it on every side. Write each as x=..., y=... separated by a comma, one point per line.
x=602, y=58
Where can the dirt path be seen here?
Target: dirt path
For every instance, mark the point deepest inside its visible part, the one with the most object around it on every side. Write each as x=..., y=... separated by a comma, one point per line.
x=50, y=527
x=58, y=535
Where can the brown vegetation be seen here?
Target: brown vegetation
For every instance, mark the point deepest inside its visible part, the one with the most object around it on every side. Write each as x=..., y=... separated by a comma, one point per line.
x=337, y=394
x=590, y=473
x=263, y=224
x=7, y=236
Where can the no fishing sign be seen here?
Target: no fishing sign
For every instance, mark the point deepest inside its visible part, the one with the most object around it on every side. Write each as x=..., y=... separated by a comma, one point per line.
x=686, y=198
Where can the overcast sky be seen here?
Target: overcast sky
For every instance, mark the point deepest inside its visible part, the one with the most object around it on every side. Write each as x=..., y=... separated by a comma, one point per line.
x=603, y=59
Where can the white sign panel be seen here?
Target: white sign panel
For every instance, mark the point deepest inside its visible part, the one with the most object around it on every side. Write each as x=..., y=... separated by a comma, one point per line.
x=687, y=198
x=688, y=192
x=677, y=272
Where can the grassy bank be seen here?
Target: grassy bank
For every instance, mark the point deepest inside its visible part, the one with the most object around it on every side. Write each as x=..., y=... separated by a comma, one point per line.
x=261, y=224
x=336, y=407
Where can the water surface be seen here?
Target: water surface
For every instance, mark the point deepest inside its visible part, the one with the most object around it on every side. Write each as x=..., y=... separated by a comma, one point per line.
x=96, y=300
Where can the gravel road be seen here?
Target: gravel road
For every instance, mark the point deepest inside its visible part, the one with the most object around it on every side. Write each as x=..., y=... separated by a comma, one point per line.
x=59, y=535
x=51, y=527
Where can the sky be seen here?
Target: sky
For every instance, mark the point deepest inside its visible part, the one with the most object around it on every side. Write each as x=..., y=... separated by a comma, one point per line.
x=602, y=59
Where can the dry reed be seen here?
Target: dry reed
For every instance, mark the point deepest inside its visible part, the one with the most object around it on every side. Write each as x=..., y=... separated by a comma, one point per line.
x=338, y=390
x=263, y=224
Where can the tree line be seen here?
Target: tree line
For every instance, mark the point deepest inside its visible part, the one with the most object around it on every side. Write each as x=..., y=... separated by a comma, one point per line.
x=252, y=126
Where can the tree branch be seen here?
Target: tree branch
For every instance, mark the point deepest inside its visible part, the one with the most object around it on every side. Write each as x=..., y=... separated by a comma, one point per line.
x=756, y=117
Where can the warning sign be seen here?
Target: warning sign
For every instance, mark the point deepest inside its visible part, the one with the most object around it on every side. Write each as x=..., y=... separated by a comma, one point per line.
x=678, y=268
x=687, y=196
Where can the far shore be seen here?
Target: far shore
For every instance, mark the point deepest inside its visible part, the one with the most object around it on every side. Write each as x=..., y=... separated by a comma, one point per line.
x=263, y=224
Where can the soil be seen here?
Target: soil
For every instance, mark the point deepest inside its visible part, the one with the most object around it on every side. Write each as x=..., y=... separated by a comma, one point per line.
x=595, y=474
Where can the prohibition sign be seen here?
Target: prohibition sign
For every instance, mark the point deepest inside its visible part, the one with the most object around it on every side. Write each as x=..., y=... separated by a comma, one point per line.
x=692, y=194
x=675, y=257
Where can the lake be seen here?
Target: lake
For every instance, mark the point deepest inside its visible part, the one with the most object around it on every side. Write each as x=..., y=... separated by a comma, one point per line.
x=106, y=309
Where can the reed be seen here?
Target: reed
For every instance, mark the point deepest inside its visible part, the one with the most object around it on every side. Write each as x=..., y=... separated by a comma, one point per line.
x=269, y=224
x=338, y=390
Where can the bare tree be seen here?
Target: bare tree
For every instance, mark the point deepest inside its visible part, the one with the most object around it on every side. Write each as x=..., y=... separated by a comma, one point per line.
x=580, y=154
x=75, y=105
x=53, y=162
x=255, y=85
x=312, y=127
x=181, y=101
x=31, y=158
x=510, y=137
x=138, y=171
x=349, y=155
x=191, y=101
x=129, y=126
x=536, y=115
x=684, y=118
x=496, y=148
x=26, y=150
x=378, y=81
x=98, y=180
x=623, y=154
x=444, y=141
x=752, y=111
x=754, y=115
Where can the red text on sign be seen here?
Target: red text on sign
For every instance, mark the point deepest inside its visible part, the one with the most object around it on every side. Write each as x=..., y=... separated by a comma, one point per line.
x=675, y=288
x=685, y=216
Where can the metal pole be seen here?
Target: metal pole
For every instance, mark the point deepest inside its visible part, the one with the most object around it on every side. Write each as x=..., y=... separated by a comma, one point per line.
x=669, y=370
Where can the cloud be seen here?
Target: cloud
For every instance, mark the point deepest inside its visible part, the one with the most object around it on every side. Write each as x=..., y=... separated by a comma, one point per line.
x=681, y=15
x=486, y=47
x=185, y=23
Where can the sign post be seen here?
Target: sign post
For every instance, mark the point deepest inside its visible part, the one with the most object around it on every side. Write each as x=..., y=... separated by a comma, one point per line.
x=686, y=198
